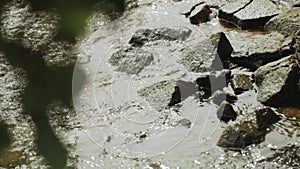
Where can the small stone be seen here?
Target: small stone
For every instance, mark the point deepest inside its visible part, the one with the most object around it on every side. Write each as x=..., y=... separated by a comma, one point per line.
x=185, y=122
x=241, y=83
x=226, y=112
x=266, y=117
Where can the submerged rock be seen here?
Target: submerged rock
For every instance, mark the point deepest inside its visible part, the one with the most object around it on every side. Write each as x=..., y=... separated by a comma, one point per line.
x=131, y=60
x=286, y=156
x=266, y=117
x=210, y=54
x=241, y=83
x=143, y=36
x=285, y=23
x=277, y=82
x=255, y=51
x=226, y=112
x=249, y=14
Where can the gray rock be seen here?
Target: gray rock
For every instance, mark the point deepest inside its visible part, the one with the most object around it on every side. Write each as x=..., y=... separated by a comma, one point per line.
x=209, y=54
x=131, y=60
x=249, y=14
x=277, y=82
x=143, y=36
x=241, y=83
x=255, y=51
x=159, y=94
x=286, y=23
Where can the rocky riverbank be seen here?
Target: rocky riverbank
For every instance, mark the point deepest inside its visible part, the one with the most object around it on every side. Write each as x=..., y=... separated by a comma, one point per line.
x=168, y=84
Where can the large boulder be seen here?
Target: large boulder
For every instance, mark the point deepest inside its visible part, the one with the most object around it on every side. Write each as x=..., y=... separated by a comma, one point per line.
x=249, y=14
x=277, y=82
x=286, y=23
x=255, y=51
x=210, y=54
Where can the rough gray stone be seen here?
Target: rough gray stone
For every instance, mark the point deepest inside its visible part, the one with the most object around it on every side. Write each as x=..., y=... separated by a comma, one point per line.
x=255, y=51
x=286, y=23
x=131, y=60
x=143, y=36
x=277, y=82
x=249, y=14
x=209, y=54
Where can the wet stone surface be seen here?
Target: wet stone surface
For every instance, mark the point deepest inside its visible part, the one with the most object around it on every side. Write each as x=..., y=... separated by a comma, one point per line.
x=255, y=51
x=143, y=36
x=277, y=82
x=241, y=83
x=249, y=14
x=131, y=60
x=286, y=23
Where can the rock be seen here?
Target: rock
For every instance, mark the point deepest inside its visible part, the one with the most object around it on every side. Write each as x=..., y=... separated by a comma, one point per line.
x=241, y=83
x=286, y=156
x=277, y=82
x=226, y=112
x=160, y=94
x=185, y=122
x=255, y=51
x=290, y=113
x=131, y=60
x=219, y=96
x=266, y=117
x=208, y=84
x=241, y=135
x=249, y=14
x=168, y=93
x=143, y=36
x=209, y=54
x=202, y=16
x=285, y=23
x=182, y=91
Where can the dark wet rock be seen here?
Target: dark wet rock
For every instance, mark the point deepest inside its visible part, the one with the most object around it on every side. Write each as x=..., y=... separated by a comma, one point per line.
x=241, y=83
x=226, y=112
x=266, y=117
x=11, y=159
x=143, y=36
x=241, y=135
x=286, y=156
x=286, y=23
x=277, y=82
x=210, y=83
x=255, y=51
x=219, y=96
x=249, y=14
x=202, y=16
x=210, y=54
x=131, y=60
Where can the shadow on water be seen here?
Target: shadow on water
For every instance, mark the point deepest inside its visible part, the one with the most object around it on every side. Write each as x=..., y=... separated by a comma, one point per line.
x=47, y=84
